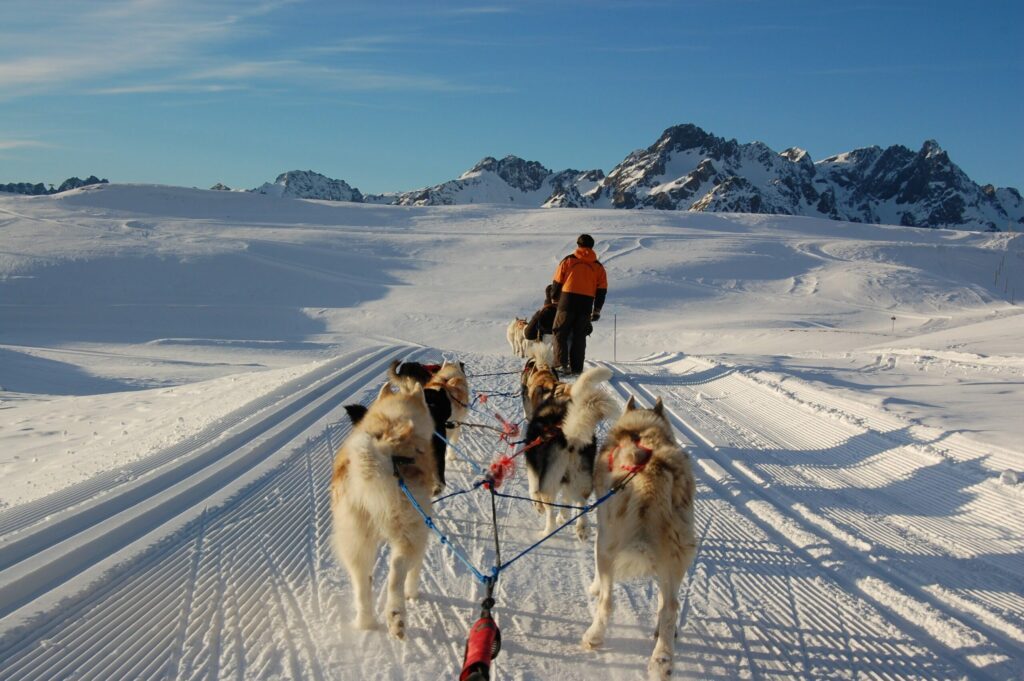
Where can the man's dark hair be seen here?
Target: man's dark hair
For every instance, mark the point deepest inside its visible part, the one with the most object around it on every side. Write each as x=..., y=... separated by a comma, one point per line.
x=585, y=240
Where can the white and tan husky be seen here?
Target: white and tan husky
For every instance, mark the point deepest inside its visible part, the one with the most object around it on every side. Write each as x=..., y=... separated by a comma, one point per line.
x=565, y=419
x=646, y=529
x=516, y=335
x=367, y=506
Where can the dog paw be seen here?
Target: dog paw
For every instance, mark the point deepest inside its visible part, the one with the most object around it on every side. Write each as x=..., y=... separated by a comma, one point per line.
x=396, y=624
x=582, y=532
x=660, y=667
x=593, y=639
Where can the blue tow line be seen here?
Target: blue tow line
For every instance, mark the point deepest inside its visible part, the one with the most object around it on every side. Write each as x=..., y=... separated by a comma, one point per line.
x=459, y=453
x=498, y=569
x=481, y=577
x=490, y=580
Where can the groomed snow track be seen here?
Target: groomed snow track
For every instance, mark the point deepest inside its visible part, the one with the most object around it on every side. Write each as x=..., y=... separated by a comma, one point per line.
x=834, y=543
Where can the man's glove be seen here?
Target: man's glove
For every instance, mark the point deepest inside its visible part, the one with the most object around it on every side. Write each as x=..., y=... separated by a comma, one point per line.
x=594, y=316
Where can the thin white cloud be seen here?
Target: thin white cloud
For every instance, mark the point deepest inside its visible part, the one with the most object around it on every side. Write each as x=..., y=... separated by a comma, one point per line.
x=124, y=47
x=326, y=77
x=153, y=88
x=47, y=45
x=6, y=145
x=106, y=39
x=470, y=11
x=362, y=44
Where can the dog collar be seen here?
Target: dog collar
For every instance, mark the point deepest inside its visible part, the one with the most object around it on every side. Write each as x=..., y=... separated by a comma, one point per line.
x=629, y=469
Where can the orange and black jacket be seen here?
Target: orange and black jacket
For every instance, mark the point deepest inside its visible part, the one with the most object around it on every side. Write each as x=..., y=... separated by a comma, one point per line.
x=582, y=274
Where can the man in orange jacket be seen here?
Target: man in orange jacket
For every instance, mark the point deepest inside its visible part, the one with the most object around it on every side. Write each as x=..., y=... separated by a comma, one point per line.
x=581, y=285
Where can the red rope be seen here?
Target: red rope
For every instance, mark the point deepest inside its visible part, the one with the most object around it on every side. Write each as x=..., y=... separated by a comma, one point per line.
x=629, y=468
x=505, y=466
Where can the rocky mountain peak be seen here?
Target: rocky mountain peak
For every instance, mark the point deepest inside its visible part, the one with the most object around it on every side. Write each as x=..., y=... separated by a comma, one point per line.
x=797, y=155
x=517, y=172
x=685, y=136
x=306, y=184
x=931, y=148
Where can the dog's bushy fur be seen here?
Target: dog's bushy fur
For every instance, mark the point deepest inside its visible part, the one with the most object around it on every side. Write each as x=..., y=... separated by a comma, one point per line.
x=367, y=506
x=516, y=335
x=566, y=418
x=646, y=529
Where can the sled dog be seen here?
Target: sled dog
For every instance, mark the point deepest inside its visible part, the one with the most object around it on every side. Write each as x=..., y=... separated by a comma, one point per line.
x=451, y=378
x=516, y=335
x=646, y=529
x=367, y=505
x=439, y=403
x=566, y=422
x=539, y=379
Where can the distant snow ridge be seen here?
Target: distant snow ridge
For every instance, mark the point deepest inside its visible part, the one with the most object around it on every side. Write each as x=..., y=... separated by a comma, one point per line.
x=305, y=184
x=39, y=189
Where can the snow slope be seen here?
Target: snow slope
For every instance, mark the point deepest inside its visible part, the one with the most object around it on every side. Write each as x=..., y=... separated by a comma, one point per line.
x=174, y=362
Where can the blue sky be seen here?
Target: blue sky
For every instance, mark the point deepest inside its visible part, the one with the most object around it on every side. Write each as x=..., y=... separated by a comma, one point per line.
x=400, y=95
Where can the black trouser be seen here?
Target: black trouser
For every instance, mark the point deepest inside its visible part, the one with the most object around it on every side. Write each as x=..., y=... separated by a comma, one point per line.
x=572, y=321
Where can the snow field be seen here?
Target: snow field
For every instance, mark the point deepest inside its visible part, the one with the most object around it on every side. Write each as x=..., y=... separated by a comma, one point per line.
x=247, y=588
x=173, y=364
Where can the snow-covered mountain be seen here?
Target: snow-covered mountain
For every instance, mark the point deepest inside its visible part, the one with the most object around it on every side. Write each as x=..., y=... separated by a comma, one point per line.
x=690, y=169
x=510, y=180
x=305, y=184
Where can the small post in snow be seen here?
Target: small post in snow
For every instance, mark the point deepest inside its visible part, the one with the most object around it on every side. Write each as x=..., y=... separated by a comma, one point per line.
x=615, y=337
x=893, y=319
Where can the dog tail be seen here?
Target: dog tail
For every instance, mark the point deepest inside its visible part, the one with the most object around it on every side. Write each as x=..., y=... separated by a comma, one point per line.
x=542, y=354
x=404, y=382
x=589, y=405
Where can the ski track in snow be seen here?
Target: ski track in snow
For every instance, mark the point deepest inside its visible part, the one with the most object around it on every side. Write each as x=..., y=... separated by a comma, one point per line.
x=835, y=542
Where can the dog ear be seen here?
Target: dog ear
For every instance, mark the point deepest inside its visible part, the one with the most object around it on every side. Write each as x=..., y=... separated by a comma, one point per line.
x=631, y=403
x=462, y=365
x=355, y=412
x=659, y=408
x=385, y=390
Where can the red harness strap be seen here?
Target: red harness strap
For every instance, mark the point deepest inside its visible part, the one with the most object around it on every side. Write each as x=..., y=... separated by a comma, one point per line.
x=629, y=468
x=505, y=466
x=508, y=430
